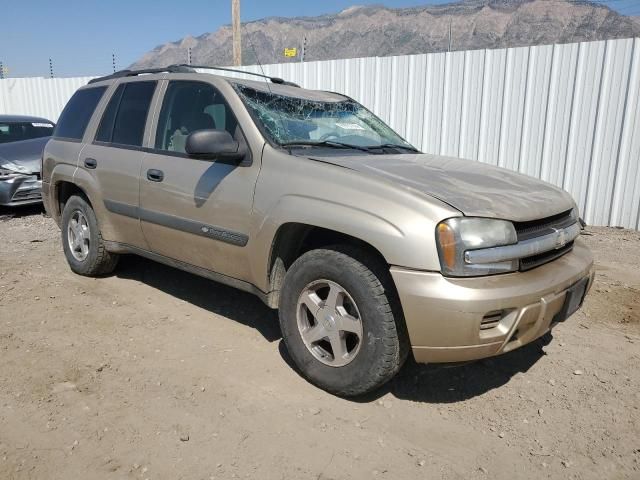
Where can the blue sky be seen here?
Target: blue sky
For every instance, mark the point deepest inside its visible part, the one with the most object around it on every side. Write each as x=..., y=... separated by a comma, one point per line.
x=81, y=35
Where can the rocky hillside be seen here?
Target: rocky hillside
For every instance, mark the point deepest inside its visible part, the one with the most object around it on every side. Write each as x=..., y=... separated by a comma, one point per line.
x=379, y=31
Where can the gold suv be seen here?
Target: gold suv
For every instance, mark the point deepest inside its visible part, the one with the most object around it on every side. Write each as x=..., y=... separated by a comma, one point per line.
x=368, y=248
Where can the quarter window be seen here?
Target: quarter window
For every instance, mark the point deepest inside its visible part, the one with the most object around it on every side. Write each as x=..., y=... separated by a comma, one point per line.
x=77, y=113
x=125, y=117
x=190, y=106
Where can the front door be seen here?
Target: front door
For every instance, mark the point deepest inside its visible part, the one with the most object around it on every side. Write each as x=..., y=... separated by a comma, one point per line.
x=193, y=210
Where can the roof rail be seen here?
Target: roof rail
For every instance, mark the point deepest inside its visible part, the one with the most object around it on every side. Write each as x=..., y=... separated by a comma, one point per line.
x=277, y=80
x=133, y=73
x=184, y=68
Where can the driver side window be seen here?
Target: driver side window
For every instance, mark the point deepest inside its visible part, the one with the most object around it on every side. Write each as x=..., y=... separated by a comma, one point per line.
x=187, y=107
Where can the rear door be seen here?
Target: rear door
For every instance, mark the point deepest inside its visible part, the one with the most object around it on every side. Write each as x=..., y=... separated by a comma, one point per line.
x=114, y=158
x=60, y=155
x=194, y=210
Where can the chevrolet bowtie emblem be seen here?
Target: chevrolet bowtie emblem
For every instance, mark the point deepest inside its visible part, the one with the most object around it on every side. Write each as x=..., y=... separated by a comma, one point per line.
x=561, y=238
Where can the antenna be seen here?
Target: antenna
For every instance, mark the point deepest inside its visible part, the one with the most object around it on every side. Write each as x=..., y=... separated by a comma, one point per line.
x=255, y=54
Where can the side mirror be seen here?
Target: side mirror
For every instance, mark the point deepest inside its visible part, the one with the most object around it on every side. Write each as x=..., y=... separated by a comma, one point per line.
x=214, y=144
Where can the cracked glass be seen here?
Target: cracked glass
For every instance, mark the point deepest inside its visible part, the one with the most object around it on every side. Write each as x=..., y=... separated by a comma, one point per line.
x=289, y=120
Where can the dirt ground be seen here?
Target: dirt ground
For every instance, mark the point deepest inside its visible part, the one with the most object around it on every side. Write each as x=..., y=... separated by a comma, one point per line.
x=153, y=373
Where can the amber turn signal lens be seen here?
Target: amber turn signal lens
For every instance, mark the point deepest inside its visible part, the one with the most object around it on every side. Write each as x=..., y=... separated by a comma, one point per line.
x=447, y=244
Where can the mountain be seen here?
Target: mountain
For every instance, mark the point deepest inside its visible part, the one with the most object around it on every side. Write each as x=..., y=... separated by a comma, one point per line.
x=379, y=31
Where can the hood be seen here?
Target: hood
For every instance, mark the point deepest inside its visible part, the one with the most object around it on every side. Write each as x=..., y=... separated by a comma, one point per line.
x=26, y=153
x=474, y=188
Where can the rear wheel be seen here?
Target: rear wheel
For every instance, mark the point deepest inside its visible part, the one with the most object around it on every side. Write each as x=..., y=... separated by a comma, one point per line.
x=82, y=242
x=340, y=322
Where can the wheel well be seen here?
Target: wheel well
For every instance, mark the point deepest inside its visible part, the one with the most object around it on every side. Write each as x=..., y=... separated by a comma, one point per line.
x=295, y=239
x=65, y=190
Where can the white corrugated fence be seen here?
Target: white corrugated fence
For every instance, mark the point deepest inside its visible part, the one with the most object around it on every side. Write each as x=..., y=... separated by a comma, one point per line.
x=42, y=97
x=568, y=114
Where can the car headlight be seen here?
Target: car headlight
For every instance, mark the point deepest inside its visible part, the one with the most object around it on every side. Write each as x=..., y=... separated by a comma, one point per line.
x=7, y=174
x=11, y=167
x=457, y=235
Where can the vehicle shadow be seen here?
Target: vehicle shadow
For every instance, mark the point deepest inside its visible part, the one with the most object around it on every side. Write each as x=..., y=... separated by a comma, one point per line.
x=433, y=383
x=214, y=297
x=22, y=211
x=451, y=383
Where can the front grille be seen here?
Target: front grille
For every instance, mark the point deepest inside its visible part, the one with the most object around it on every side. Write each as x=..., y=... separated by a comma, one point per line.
x=536, y=260
x=537, y=228
x=543, y=226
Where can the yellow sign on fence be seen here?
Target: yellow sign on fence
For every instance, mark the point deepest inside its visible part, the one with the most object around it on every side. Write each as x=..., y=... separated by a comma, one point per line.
x=290, y=52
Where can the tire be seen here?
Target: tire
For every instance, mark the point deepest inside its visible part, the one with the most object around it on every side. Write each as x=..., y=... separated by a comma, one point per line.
x=383, y=345
x=88, y=255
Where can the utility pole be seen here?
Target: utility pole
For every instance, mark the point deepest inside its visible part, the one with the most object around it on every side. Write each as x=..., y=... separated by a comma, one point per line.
x=1, y=70
x=50, y=69
x=449, y=35
x=237, y=45
x=113, y=62
x=189, y=56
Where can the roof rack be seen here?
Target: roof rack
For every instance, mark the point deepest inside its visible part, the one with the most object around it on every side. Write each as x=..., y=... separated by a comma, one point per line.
x=133, y=73
x=183, y=68
x=277, y=80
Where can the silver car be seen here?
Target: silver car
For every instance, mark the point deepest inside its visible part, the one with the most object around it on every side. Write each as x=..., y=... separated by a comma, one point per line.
x=22, y=140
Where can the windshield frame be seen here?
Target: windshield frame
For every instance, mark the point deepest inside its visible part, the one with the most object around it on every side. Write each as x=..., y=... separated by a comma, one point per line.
x=269, y=138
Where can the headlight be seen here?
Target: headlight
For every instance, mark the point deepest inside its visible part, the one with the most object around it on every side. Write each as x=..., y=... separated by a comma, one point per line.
x=460, y=234
x=7, y=174
x=10, y=167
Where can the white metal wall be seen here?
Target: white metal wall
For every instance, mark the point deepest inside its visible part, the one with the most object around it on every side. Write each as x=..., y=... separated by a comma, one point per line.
x=568, y=114
x=42, y=97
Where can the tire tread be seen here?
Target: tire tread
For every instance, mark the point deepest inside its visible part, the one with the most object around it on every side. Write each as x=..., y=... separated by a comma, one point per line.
x=104, y=262
x=394, y=339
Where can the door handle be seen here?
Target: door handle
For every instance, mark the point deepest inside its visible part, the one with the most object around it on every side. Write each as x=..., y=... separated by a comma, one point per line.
x=155, y=175
x=90, y=163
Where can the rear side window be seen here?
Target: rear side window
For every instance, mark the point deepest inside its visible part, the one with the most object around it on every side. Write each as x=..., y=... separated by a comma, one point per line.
x=105, y=130
x=125, y=117
x=76, y=115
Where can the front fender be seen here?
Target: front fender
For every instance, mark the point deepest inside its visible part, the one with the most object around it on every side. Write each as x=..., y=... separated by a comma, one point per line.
x=396, y=221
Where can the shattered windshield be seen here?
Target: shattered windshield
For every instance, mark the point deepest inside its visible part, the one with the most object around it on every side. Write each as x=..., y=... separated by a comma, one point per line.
x=293, y=120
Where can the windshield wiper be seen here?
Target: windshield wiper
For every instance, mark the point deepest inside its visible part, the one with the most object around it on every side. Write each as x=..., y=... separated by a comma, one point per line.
x=324, y=143
x=392, y=145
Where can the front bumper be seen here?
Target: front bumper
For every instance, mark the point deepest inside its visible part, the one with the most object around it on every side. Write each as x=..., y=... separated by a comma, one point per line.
x=20, y=190
x=444, y=315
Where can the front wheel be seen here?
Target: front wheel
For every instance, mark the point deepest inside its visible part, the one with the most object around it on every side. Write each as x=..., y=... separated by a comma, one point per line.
x=82, y=241
x=339, y=321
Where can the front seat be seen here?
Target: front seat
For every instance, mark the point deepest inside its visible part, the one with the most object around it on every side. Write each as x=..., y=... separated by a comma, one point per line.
x=189, y=122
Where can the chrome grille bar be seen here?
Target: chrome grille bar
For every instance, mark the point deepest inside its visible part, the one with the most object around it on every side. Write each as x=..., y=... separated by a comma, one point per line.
x=526, y=248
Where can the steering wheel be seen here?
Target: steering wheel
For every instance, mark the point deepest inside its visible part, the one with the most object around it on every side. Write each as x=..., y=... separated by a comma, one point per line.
x=327, y=136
